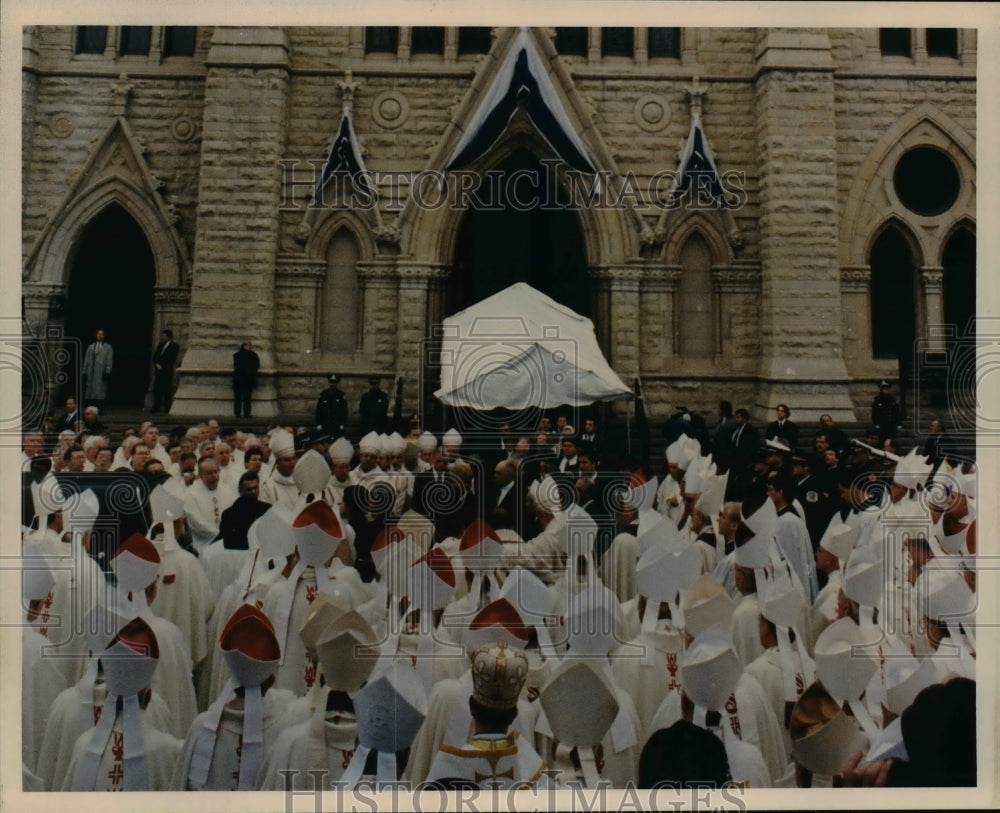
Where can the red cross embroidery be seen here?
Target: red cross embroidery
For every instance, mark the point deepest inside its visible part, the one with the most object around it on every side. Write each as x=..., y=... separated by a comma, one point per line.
x=97, y=713
x=310, y=674
x=311, y=592
x=118, y=746
x=347, y=759
x=116, y=774
x=236, y=773
x=734, y=720
x=672, y=667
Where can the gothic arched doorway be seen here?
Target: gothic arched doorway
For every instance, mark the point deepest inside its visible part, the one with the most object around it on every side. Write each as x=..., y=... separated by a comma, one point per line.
x=959, y=280
x=893, y=297
x=111, y=287
x=518, y=229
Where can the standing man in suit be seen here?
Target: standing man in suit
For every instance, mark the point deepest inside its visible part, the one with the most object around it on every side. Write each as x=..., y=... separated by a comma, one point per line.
x=246, y=363
x=783, y=429
x=98, y=361
x=164, y=362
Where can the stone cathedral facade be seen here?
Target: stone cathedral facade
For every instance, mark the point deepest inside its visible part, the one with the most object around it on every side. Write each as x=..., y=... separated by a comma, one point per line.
x=173, y=177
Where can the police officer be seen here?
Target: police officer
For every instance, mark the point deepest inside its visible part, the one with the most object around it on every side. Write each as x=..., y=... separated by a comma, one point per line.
x=374, y=409
x=331, y=409
x=886, y=413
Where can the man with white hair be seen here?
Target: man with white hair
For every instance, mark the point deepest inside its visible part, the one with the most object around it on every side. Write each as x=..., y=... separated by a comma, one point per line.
x=205, y=500
x=229, y=472
x=91, y=446
x=341, y=453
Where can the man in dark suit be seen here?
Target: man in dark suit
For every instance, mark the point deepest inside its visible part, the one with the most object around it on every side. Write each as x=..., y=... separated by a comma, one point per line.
x=164, y=362
x=70, y=418
x=505, y=497
x=743, y=444
x=783, y=429
x=246, y=363
x=933, y=446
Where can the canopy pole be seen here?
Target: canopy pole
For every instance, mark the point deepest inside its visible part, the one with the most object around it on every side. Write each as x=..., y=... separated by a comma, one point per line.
x=628, y=427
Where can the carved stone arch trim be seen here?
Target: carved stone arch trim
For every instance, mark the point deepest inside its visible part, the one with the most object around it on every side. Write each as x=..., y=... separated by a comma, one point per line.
x=967, y=223
x=327, y=228
x=871, y=193
x=698, y=223
x=430, y=234
x=605, y=232
x=905, y=231
x=55, y=253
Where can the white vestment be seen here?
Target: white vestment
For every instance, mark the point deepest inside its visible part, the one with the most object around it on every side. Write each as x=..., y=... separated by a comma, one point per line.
x=280, y=490
x=793, y=541
x=76, y=710
x=184, y=596
x=744, y=629
x=160, y=756
x=222, y=565
x=618, y=566
x=224, y=771
x=41, y=684
x=493, y=761
x=203, y=509
x=325, y=742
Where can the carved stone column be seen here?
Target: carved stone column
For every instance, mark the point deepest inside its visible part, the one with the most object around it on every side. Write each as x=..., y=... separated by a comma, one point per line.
x=931, y=279
x=623, y=287
x=856, y=311
x=657, y=318
x=380, y=308
x=412, y=329
x=236, y=253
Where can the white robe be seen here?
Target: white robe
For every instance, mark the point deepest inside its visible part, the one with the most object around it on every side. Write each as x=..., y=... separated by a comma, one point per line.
x=297, y=673
x=748, y=716
x=324, y=742
x=184, y=596
x=280, y=490
x=668, y=490
x=223, y=774
x=647, y=668
x=793, y=541
x=215, y=673
x=744, y=629
x=544, y=556
x=41, y=684
x=449, y=721
x=79, y=584
x=518, y=765
x=203, y=509
x=222, y=565
x=768, y=669
x=824, y=609
x=73, y=712
x=618, y=566
x=172, y=677
x=161, y=751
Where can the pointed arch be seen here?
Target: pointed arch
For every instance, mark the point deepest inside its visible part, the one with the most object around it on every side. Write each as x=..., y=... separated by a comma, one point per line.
x=332, y=223
x=872, y=193
x=896, y=308
x=429, y=234
x=54, y=254
x=114, y=172
x=698, y=223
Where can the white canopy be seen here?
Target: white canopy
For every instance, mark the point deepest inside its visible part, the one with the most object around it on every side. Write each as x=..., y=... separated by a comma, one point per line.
x=520, y=349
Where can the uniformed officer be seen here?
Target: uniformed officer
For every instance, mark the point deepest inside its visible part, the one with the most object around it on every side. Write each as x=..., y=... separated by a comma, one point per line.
x=331, y=409
x=374, y=408
x=886, y=413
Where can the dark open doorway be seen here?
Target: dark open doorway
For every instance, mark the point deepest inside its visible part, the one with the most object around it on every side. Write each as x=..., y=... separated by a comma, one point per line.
x=521, y=234
x=893, y=300
x=111, y=287
x=959, y=281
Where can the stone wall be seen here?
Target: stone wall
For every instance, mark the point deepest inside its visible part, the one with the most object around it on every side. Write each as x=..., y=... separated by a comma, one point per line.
x=804, y=114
